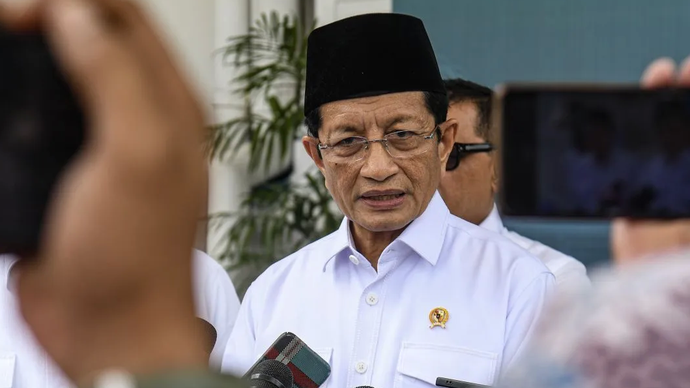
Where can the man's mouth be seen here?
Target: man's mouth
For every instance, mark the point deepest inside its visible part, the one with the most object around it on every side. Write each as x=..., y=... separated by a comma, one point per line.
x=386, y=197
x=381, y=195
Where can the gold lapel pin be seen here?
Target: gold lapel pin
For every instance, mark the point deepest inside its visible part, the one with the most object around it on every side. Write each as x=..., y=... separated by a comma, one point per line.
x=438, y=317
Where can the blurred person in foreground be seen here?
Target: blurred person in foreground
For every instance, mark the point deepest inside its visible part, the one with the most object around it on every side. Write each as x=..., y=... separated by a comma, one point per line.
x=470, y=183
x=402, y=278
x=95, y=297
x=633, y=330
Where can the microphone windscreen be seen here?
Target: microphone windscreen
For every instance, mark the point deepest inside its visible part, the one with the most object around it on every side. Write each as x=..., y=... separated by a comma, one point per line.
x=271, y=374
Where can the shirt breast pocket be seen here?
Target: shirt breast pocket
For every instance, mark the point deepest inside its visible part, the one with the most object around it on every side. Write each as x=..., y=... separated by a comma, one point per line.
x=7, y=361
x=420, y=364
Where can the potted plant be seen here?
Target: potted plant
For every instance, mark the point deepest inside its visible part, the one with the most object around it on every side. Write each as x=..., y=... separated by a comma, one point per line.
x=279, y=216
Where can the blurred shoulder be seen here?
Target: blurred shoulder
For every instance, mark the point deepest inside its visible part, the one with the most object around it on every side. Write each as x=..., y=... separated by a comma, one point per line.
x=203, y=262
x=563, y=266
x=493, y=246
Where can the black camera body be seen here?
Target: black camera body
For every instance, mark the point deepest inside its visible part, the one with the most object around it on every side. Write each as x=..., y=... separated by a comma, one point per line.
x=41, y=131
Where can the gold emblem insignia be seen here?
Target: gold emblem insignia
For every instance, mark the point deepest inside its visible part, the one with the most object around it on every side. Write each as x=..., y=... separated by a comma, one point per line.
x=438, y=317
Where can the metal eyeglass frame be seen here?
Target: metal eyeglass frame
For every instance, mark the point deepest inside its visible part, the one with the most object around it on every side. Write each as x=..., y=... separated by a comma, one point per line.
x=384, y=142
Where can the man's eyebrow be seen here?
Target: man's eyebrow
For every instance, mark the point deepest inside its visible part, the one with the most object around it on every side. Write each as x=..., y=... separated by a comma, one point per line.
x=344, y=129
x=401, y=120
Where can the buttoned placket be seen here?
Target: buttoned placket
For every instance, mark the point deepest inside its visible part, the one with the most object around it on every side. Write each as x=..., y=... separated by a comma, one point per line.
x=369, y=316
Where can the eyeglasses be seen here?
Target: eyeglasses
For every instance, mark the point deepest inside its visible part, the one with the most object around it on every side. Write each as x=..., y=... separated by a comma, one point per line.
x=460, y=150
x=398, y=144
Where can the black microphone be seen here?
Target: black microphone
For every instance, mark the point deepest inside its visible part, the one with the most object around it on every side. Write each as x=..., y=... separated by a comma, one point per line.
x=270, y=374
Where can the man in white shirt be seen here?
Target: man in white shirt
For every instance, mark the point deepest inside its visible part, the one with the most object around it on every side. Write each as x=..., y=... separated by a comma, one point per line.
x=24, y=364
x=470, y=183
x=404, y=292
x=216, y=301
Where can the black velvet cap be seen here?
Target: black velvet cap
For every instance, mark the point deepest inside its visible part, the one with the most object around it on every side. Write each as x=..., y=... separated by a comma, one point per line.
x=368, y=55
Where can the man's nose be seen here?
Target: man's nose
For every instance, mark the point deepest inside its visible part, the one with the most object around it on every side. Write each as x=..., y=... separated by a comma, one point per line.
x=378, y=163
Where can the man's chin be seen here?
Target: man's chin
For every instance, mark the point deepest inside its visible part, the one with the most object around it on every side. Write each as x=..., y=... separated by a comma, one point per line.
x=380, y=223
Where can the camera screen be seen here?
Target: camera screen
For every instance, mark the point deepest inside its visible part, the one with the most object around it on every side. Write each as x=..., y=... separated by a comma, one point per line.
x=596, y=153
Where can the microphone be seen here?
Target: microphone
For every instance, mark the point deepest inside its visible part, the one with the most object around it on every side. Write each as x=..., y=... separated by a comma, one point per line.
x=305, y=368
x=270, y=374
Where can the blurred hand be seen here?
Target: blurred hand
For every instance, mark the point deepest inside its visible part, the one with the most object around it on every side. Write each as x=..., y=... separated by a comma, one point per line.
x=631, y=240
x=111, y=286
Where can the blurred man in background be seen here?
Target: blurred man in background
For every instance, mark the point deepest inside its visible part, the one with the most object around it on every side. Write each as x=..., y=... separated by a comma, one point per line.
x=215, y=300
x=470, y=182
x=216, y=304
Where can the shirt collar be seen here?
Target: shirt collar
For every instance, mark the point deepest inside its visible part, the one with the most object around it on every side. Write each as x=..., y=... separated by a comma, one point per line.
x=8, y=262
x=493, y=222
x=424, y=235
x=340, y=241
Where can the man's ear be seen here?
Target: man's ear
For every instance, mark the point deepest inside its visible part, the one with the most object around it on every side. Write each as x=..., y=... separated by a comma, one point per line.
x=495, y=177
x=447, y=138
x=496, y=139
x=311, y=146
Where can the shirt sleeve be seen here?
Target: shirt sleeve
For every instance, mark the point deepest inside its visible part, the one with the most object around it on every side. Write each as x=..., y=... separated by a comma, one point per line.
x=523, y=316
x=239, y=352
x=572, y=277
x=217, y=301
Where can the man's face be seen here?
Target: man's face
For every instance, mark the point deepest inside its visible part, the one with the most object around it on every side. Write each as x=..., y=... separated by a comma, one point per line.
x=381, y=193
x=469, y=189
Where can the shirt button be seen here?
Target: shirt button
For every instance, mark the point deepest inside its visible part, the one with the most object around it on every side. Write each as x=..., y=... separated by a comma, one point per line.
x=361, y=367
x=354, y=259
x=372, y=299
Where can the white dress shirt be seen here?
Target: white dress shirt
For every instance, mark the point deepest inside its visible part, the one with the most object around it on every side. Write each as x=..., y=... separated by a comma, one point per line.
x=569, y=272
x=216, y=301
x=24, y=364
x=373, y=328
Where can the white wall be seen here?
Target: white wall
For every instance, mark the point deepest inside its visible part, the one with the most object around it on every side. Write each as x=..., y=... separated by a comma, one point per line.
x=228, y=178
x=327, y=11
x=188, y=26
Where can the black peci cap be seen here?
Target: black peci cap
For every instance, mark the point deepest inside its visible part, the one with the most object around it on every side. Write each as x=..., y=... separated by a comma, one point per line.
x=369, y=55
